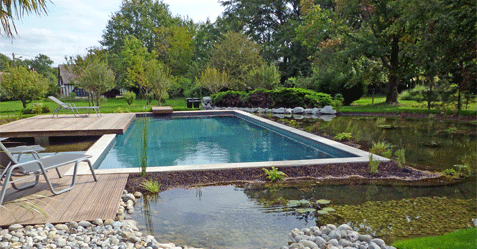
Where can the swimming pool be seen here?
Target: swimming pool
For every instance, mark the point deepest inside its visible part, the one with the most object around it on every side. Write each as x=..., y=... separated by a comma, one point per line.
x=220, y=139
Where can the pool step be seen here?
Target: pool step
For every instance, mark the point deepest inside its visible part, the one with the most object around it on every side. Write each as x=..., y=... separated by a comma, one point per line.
x=161, y=110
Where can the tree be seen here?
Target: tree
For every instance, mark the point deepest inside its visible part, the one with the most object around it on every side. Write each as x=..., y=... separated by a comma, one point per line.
x=159, y=79
x=271, y=23
x=265, y=76
x=23, y=84
x=213, y=79
x=96, y=79
x=138, y=18
x=174, y=46
x=375, y=29
x=236, y=56
x=134, y=57
x=11, y=10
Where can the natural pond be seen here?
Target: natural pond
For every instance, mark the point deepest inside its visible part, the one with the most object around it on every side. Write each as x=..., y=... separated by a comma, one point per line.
x=258, y=216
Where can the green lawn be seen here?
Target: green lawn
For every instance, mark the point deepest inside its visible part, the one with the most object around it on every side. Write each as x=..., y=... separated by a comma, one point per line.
x=409, y=106
x=12, y=109
x=462, y=239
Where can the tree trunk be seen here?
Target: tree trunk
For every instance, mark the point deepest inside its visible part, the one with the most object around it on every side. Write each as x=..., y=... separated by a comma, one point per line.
x=392, y=95
x=24, y=103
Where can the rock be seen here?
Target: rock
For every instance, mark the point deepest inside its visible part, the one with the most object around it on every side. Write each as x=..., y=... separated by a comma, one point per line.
x=373, y=245
x=335, y=234
x=309, y=244
x=14, y=227
x=298, y=110
x=344, y=227
x=325, y=230
x=61, y=242
x=307, y=231
x=84, y=223
x=98, y=222
x=327, y=110
x=333, y=242
x=320, y=241
x=280, y=110
x=379, y=242
x=344, y=243
x=127, y=197
x=62, y=227
x=108, y=222
x=390, y=247
x=367, y=238
x=352, y=236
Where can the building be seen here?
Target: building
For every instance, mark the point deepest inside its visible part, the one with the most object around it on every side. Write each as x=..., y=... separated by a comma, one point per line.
x=65, y=82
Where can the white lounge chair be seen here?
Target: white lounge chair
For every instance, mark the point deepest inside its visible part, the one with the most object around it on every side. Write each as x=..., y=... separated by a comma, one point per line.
x=75, y=109
x=35, y=168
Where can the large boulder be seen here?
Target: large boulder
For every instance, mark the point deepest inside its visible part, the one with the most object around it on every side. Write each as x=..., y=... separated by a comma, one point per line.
x=327, y=110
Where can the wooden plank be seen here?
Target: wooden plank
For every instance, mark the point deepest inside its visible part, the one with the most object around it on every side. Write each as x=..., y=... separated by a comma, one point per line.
x=162, y=110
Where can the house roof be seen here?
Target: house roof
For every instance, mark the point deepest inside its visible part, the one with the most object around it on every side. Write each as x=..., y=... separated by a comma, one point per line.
x=66, y=76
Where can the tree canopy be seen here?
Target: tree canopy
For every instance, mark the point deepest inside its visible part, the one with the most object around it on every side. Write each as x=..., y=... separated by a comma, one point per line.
x=11, y=10
x=23, y=84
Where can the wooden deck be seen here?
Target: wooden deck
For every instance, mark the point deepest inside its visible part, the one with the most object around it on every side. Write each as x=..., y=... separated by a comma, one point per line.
x=68, y=125
x=88, y=200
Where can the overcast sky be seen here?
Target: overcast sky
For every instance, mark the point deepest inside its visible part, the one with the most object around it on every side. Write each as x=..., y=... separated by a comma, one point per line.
x=71, y=26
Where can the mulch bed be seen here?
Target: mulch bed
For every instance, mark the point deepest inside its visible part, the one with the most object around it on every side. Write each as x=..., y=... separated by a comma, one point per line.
x=321, y=173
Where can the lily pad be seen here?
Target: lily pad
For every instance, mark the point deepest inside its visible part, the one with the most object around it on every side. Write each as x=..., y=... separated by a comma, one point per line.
x=323, y=201
x=322, y=211
x=329, y=209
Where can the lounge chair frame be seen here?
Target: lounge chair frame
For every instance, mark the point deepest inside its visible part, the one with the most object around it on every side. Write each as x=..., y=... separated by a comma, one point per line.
x=75, y=109
x=39, y=167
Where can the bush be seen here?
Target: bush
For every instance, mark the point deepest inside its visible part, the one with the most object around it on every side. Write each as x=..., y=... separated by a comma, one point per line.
x=196, y=92
x=36, y=109
x=418, y=93
x=129, y=97
x=228, y=98
x=294, y=97
x=258, y=98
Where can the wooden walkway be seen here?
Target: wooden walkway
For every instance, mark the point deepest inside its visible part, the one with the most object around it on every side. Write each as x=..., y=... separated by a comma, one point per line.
x=68, y=125
x=88, y=200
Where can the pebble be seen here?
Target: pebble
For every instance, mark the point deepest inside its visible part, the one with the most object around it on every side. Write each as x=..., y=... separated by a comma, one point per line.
x=122, y=234
x=332, y=237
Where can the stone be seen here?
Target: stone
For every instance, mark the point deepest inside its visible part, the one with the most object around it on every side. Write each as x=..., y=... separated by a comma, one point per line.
x=14, y=227
x=379, y=242
x=127, y=197
x=84, y=223
x=62, y=227
x=390, y=247
x=344, y=243
x=309, y=244
x=108, y=222
x=367, y=238
x=325, y=230
x=327, y=110
x=335, y=234
x=280, y=110
x=137, y=194
x=352, y=236
x=98, y=222
x=373, y=245
x=317, y=233
x=345, y=227
x=73, y=224
x=298, y=110
x=61, y=242
x=333, y=242
x=320, y=241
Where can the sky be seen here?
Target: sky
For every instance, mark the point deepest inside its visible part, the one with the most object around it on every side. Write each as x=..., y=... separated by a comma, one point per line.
x=72, y=26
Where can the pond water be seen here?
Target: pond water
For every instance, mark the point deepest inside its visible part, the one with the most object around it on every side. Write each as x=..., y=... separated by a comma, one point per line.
x=258, y=216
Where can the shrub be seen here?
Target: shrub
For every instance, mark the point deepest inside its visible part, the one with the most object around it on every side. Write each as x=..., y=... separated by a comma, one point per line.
x=196, y=92
x=274, y=174
x=228, y=98
x=449, y=172
x=129, y=97
x=72, y=96
x=258, y=98
x=401, y=156
x=36, y=109
x=293, y=97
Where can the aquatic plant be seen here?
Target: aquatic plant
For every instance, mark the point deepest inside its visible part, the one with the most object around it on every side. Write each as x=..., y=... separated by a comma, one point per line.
x=274, y=174
x=401, y=156
x=151, y=186
x=451, y=130
x=306, y=207
x=315, y=127
x=373, y=164
x=449, y=172
x=343, y=136
x=382, y=149
x=143, y=122
x=422, y=216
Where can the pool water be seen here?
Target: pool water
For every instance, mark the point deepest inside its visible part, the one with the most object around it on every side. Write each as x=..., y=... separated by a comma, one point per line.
x=210, y=140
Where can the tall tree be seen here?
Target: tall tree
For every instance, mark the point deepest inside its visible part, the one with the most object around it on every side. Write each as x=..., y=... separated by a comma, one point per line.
x=11, y=10
x=138, y=18
x=272, y=24
x=375, y=29
x=96, y=79
x=159, y=79
x=236, y=55
x=174, y=46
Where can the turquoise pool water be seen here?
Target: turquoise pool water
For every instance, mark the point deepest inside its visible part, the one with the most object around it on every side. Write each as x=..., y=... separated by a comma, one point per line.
x=212, y=140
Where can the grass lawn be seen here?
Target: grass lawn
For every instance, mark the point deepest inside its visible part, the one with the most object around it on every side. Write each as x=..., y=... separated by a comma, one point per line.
x=365, y=104
x=12, y=109
x=461, y=239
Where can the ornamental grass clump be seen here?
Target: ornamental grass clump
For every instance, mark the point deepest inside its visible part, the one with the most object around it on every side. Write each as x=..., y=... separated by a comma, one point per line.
x=401, y=157
x=382, y=149
x=151, y=186
x=143, y=145
x=373, y=164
